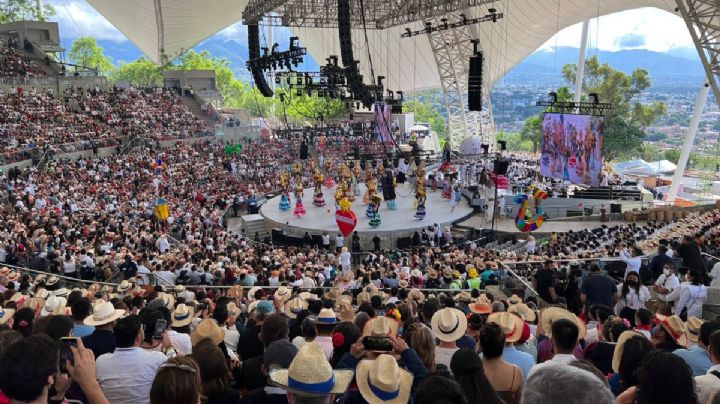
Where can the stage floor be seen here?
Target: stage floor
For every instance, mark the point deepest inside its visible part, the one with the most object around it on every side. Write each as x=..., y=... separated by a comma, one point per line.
x=400, y=222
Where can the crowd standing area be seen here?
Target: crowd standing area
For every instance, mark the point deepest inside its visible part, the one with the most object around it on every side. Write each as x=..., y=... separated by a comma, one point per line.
x=195, y=313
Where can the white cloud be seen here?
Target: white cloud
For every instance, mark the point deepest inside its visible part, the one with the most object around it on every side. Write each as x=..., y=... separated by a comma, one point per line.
x=77, y=18
x=237, y=32
x=660, y=29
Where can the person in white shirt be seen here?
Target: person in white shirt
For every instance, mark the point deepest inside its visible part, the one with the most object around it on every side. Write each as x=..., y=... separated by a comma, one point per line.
x=631, y=296
x=564, y=337
x=326, y=240
x=345, y=259
x=531, y=245
x=708, y=384
x=162, y=244
x=339, y=241
x=692, y=296
x=666, y=283
x=126, y=375
x=632, y=259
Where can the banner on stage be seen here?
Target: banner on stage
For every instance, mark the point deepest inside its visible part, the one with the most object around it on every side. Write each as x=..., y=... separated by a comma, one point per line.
x=572, y=148
x=383, y=122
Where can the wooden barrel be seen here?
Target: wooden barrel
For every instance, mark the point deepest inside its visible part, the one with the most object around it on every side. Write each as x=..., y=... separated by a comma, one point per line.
x=627, y=216
x=660, y=215
x=652, y=215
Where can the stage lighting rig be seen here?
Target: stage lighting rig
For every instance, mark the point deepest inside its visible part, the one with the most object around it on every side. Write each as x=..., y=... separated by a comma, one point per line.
x=273, y=59
x=593, y=108
x=445, y=25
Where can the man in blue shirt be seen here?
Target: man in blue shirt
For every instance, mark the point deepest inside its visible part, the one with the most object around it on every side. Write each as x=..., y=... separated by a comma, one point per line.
x=697, y=356
x=80, y=311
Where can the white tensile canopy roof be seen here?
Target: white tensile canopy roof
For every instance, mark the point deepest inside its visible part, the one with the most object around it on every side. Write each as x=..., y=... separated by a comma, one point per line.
x=168, y=27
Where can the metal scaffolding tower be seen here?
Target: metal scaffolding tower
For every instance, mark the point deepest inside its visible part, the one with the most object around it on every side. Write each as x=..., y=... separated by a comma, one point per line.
x=703, y=21
x=452, y=49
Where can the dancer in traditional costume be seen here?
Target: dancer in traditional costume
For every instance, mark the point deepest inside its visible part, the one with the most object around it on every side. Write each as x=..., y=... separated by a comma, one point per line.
x=375, y=220
x=299, y=208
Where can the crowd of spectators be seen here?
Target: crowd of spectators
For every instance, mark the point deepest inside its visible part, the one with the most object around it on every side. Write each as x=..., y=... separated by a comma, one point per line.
x=14, y=64
x=36, y=119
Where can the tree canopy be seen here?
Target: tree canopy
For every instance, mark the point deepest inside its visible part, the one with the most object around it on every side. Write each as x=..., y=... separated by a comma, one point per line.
x=86, y=52
x=19, y=10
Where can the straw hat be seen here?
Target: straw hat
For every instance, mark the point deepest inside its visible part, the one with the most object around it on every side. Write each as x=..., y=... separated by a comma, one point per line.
x=327, y=316
x=343, y=299
x=620, y=348
x=416, y=273
x=311, y=375
x=251, y=293
x=13, y=276
x=207, y=328
x=383, y=381
x=283, y=293
x=481, y=305
x=380, y=327
x=522, y=309
x=4, y=271
x=432, y=273
x=345, y=312
x=416, y=295
x=294, y=306
x=449, y=324
x=124, y=286
x=5, y=315
x=235, y=291
x=138, y=291
x=52, y=280
x=403, y=284
x=551, y=314
x=363, y=297
x=511, y=325
x=62, y=292
x=54, y=305
x=39, y=278
x=514, y=299
x=463, y=297
x=103, y=312
x=182, y=316
x=693, y=328
x=179, y=288
x=233, y=309
x=307, y=296
x=675, y=327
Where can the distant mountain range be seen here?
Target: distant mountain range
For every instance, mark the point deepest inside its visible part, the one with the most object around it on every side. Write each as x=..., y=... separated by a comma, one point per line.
x=679, y=66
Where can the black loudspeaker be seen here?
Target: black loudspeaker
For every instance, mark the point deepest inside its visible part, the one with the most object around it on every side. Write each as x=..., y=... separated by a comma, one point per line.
x=254, y=53
x=303, y=151
x=346, y=50
x=404, y=243
x=475, y=79
x=501, y=167
x=278, y=236
x=615, y=208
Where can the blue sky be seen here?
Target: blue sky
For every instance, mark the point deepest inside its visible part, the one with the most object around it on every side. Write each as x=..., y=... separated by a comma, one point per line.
x=646, y=28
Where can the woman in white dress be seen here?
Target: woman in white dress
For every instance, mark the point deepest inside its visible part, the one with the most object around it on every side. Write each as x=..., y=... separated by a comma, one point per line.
x=632, y=296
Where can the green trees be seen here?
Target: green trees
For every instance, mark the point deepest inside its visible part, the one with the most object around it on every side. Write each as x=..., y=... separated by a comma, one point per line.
x=625, y=127
x=86, y=52
x=425, y=111
x=141, y=73
x=18, y=10
x=532, y=131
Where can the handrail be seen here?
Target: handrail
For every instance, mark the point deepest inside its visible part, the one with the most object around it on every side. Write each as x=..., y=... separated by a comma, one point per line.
x=519, y=278
x=709, y=255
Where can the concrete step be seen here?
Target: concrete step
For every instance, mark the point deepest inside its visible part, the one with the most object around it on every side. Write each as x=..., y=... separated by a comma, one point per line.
x=196, y=109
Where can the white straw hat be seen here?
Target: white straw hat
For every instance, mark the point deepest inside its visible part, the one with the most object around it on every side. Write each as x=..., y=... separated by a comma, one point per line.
x=383, y=381
x=103, y=312
x=310, y=374
x=294, y=306
x=449, y=324
x=327, y=316
x=182, y=316
x=54, y=305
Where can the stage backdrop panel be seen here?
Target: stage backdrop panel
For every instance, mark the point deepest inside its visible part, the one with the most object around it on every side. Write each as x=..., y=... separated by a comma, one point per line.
x=572, y=148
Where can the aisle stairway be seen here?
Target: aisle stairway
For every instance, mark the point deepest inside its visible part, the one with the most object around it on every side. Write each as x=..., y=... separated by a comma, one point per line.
x=194, y=106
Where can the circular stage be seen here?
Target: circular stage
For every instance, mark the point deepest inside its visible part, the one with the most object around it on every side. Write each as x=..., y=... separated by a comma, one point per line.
x=395, y=223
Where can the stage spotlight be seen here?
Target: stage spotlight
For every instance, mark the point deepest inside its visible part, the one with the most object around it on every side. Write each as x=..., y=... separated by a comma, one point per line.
x=486, y=149
x=503, y=145
x=408, y=32
x=594, y=98
x=274, y=48
x=553, y=96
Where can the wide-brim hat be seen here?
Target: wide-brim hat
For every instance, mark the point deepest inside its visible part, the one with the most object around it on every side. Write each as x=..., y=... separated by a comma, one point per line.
x=382, y=381
x=620, y=348
x=182, y=316
x=481, y=305
x=524, y=310
x=168, y=300
x=54, y=305
x=294, y=306
x=207, y=328
x=52, y=280
x=103, y=313
x=551, y=314
x=345, y=312
x=381, y=327
x=511, y=325
x=675, y=327
x=233, y=309
x=463, y=296
x=449, y=324
x=693, y=328
x=62, y=292
x=326, y=316
x=403, y=284
x=514, y=299
x=124, y=286
x=251, y=293
x=416, y=273
x=6, y=315
x=283, y=293
x=311, y=375
x=416, y=295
